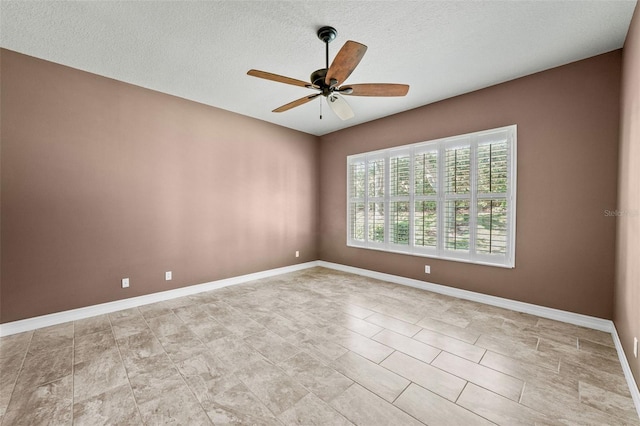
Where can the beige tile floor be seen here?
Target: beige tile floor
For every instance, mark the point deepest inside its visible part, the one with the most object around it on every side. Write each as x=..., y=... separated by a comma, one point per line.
x=313, y=347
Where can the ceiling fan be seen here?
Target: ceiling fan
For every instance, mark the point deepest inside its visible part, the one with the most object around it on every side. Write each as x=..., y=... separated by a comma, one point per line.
x=326, y=80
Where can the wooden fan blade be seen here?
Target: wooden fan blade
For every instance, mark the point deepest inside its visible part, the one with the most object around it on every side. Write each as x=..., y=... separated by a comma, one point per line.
x=375, y=89
x=345, y=61
x=278, y=78
x=296, y=103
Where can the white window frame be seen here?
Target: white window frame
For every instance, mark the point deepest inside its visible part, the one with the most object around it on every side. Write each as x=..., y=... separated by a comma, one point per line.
x=473, y=140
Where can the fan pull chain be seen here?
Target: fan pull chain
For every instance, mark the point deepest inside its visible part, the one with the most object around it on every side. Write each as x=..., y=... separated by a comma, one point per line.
x=320, y=109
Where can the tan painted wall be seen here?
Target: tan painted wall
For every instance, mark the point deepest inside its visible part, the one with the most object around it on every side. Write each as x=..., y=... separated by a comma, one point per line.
x=627, y=289
x=103, y=180
x=568, y=122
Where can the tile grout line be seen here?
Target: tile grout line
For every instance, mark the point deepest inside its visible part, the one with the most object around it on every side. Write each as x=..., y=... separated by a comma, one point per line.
x=482, y=357
x=401, y=392
x=242, y=339
x=275, y=416
x=472, y=382
x=365, y=387
x=396, y=398
x=524, y=385
x=506, y=356
x=357, y=332
x=361, y=335
x=461, y=392
x=372, y=337
x=126, y=371
x=173, y=364
x=24, y=357
x=385, y=358
x=208, y=350
x=465, y=408
x=276, y=365
x=508, y=399
x=397, y=319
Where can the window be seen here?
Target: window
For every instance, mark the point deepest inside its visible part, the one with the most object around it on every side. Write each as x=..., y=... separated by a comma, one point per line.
x=452, y=198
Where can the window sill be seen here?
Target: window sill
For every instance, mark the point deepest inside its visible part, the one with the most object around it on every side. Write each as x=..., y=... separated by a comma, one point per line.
x=385, y=248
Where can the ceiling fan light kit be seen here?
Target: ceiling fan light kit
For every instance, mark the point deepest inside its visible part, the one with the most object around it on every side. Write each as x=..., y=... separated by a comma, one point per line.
x=326, y=80
x=340, y=106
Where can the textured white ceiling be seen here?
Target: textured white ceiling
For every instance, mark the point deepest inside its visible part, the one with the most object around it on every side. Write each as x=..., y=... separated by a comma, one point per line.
x=202, y=50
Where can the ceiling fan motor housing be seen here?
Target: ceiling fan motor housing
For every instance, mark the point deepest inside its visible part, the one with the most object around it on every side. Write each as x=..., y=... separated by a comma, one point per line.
x=318, y=79
x=318, y=76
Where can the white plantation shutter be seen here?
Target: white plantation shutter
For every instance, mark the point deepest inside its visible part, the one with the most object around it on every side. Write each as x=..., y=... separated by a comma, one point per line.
x=492, y=202
x=376, y=183
x=425, y=203
x=399, y=198
x=356, y=215
x=452, y=198
x=457, y=197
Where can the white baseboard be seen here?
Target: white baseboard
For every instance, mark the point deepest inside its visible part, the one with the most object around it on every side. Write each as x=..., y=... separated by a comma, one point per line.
x=528, y=308
x=633, y=386
x=541, y=311
x=28, y=324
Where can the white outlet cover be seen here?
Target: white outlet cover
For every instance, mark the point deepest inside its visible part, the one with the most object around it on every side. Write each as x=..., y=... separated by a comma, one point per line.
x=168, y=276
x=635, y=347
x=125, y=282
x=427, y=269
x=297, y=253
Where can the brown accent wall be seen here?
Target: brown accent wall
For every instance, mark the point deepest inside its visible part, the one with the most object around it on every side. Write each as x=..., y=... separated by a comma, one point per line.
x=568, y=122
x=627, y=289
x=103, y=180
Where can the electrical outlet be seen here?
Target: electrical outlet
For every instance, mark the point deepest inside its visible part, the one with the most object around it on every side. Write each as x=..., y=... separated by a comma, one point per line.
x=297, y=253
x=427, y=269
x=167, y=276
x=635, y=347
x=125, y=282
